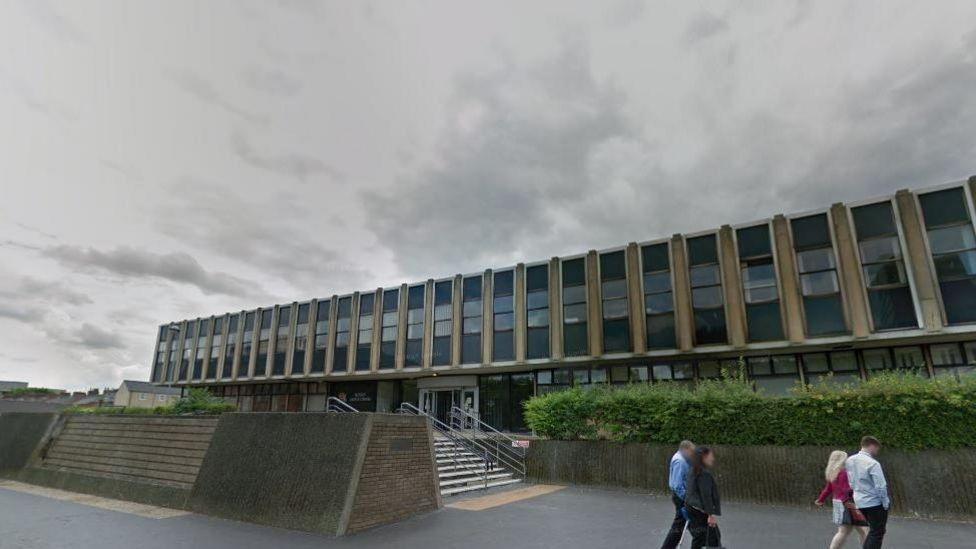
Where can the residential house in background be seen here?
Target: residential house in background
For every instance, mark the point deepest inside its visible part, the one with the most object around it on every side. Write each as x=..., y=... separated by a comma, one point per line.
x=141, y=394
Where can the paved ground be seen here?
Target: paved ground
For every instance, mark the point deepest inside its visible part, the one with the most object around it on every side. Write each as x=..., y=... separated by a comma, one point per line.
x=567, y=519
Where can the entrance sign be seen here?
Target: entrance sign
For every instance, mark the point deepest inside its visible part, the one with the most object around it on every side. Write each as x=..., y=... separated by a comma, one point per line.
x=520, y=443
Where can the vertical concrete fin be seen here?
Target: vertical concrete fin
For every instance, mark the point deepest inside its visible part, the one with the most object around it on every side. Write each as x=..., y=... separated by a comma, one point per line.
x=457, y=316
x=735, y=311
x=487, y=324
x=428, y=353
x=594, y=319
x=850, y=272
x=520, y=313
x=555, y=310
x=788, y=281
x=401, y=340
x=684, y=319
x=635, y=295
x=924, y=280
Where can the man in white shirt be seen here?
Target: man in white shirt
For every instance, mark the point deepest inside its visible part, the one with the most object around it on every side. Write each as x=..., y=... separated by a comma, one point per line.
x=870, y=489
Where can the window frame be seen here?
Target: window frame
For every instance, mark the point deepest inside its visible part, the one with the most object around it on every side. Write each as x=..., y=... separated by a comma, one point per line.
x=742, y=265
x=622, y=250
x=644, y=292
x=721, y=286
x=547, y=308
x=585, y=303
x=971, y=210
x=841, y=292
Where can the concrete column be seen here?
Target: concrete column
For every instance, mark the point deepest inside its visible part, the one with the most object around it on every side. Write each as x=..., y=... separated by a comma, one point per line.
x=684, y=318
x=594, y=306
x=350, y=365
x=333, y=324
x=374, y=359
x=222, y=348
x=488, y=317
x=255, y=343
x=428, y=323
x=240, y=342
x=635, y=296
x=457, y=314
x=520, y=313
x=290, y=369
x=926, y=284
x=313, y=308
x=272, y=341
x=788, y=280
x=555, y=310
x=401, y=340
x=735, y=309
x=849, y=269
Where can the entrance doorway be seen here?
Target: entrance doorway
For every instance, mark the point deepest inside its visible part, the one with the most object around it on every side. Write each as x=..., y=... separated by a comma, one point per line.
x=438, y=394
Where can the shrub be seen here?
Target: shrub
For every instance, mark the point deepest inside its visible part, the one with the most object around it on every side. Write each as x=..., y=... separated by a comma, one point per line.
x=903, y=410
x=196, y=402
x=27, y=391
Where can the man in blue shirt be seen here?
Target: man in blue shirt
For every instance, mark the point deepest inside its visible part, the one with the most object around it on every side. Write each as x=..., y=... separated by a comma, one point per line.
x=680, y=463
x=870, y=489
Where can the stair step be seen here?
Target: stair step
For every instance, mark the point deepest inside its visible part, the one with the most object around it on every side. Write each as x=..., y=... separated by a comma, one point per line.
x=471, y=488
x=475, y=478
x=460, y=459
x=462, y=471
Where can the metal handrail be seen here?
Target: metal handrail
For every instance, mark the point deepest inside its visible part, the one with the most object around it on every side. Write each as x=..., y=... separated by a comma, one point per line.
x=337, y=405
x=515, y=463
x=447, y=432
x=504, y=445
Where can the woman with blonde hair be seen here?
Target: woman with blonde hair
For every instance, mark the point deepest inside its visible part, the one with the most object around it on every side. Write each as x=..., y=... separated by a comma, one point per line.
x=845, y=515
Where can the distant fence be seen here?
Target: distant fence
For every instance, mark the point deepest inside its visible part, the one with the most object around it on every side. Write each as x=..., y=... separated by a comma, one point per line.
x=931, y=483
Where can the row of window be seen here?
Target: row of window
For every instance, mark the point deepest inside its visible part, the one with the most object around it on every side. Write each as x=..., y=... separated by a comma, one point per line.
x=945, y=215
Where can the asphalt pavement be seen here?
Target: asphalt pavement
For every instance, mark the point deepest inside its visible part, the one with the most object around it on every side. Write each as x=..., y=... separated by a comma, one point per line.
x=568, y=518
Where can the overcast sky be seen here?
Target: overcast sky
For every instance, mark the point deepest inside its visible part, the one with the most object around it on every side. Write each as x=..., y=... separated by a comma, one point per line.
x=173, y=159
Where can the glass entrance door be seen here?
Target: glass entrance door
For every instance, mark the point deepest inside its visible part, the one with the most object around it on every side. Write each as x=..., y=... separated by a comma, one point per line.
x=438, y=402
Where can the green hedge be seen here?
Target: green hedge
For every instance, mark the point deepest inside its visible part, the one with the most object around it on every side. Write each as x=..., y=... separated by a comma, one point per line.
x=903, y=410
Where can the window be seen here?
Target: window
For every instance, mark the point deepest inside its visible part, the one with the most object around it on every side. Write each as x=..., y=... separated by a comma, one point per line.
x=953, y=247
x=160, y=358
x=550, y=381
x=344, y=313
x=364, y=341
x=246, y=345
x=822, y=305
x=143, y=396
x=201, y=351
x=763, y=319
x=443, y=322
x=575, y=341
x=388, y=338
x=616, y=309
x=775, y=375
x=321, y=343
x=658, y=296
x=884, y=269
x=301, y=341
x=472, y=313
x=503, y=309
x=264, y=342
x=231, y=349
x=415, y=326
x=953, y=359
x=898, y=358
x=707, y=301
x=187, y=349
x=837, y=367
x=537, y=311
x=678, y=371
x=217, y=341
x=281, y=341
x=501, y=398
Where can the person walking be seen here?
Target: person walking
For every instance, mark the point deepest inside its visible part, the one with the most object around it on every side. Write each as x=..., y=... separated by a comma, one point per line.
x=838, y=489
x=702, y=501
x=870, y=490
x=678, y=475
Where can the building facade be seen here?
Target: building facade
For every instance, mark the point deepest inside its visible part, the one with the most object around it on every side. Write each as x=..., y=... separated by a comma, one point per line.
x=140, y=394
x=849, y=290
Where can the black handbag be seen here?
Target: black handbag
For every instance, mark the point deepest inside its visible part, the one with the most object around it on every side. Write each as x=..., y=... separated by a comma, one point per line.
x=708, y=536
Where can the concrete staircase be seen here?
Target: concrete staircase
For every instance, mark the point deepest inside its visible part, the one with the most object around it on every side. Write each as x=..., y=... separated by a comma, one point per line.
x=461, y=470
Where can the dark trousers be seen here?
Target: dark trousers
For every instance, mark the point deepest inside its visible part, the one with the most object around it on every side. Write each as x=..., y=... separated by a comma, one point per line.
x=702, y=535
x=878, y=521
x=677, y=526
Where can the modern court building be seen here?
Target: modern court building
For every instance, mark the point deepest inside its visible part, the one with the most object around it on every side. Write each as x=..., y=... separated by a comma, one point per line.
x=850, y=290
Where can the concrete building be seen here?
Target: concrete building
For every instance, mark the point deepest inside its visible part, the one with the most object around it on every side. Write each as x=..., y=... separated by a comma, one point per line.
x=140, y=394
x=848, y=290
x=7, y=386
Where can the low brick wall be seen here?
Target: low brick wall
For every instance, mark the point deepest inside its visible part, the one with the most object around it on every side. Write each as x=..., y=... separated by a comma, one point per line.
x=932, y=484
x=327, y=473
x=21, y=434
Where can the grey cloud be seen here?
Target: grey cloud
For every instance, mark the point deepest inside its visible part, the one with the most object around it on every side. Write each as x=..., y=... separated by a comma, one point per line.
x=276, y=235
x=21, y=312
x=295, y=165
x=36, y=231
x=132, y=263
x=272, y=81
x=621, y=13
x=52, y=21
x=53, y=291
x=517, y=151
x=703, y=26
x=93, y=337
x=204, y=90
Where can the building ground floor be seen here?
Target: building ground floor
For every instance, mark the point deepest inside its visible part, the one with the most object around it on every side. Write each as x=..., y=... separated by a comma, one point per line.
x=497, y=394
